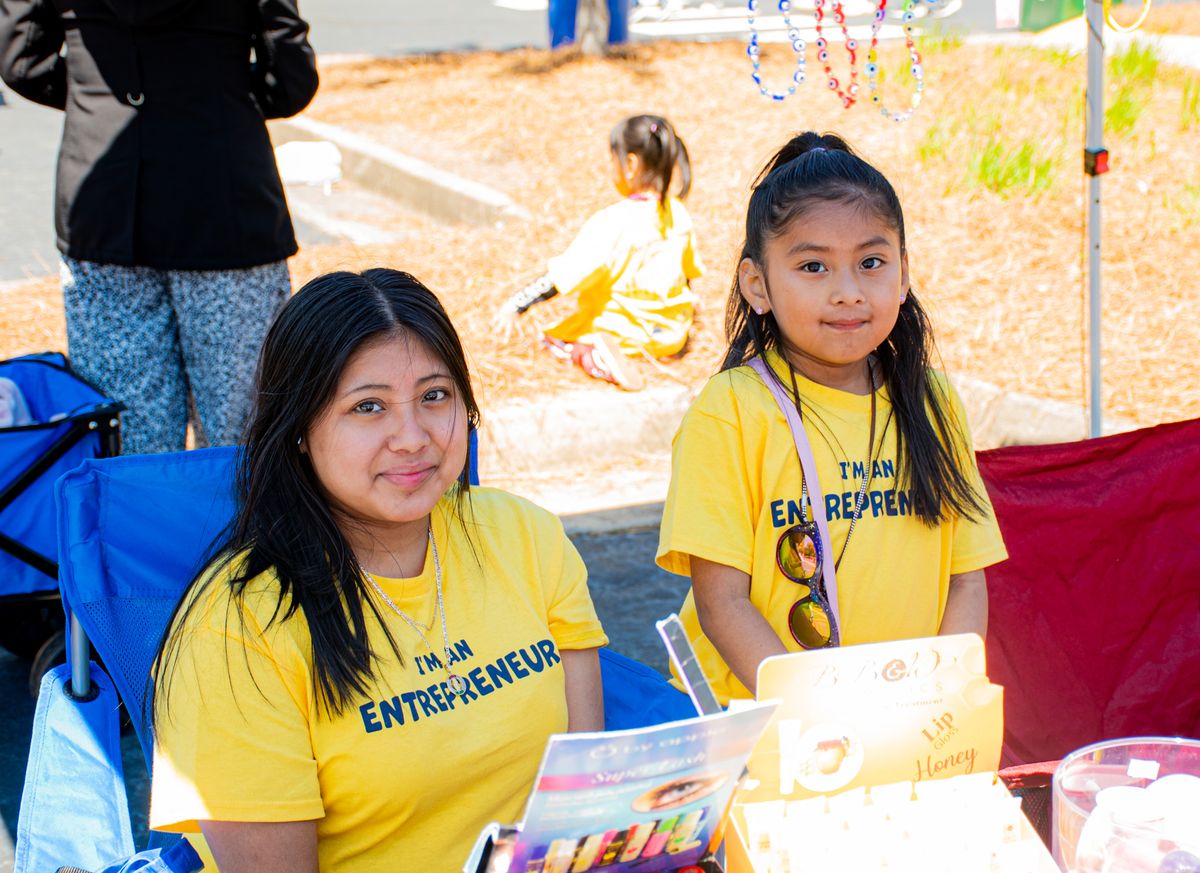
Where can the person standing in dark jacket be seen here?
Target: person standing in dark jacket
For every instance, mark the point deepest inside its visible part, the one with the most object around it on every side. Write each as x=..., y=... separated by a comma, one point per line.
x=170, y=213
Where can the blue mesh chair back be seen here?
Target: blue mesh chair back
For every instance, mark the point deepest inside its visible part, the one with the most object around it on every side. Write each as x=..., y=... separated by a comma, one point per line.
x=33, y=456
x=134, y=531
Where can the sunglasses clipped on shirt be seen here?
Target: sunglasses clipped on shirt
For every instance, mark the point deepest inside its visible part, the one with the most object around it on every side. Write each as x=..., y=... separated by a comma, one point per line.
x=799, y=557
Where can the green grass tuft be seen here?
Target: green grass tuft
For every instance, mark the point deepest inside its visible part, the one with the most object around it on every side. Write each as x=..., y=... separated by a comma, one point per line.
x=940, y=38
x=1121, y=116
x=1187, y=205
x=1061, y=58
x=938, y=141
x=1189, y=110
x=1138, y=64
x=1005, y=170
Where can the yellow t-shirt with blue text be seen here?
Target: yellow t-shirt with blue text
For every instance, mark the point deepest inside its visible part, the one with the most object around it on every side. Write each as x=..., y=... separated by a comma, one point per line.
x=629, y=269
x=735, y=488
x=407, y=776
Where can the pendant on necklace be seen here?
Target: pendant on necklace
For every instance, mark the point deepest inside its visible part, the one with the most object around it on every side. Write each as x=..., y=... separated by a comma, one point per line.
x=457, y=684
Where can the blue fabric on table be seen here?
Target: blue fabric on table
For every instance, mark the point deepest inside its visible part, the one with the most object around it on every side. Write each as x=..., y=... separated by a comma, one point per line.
x=179, y=858
x=636, y=696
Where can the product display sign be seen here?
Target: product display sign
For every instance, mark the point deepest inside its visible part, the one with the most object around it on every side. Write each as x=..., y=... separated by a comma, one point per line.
x=881, y=757
x=647, y=800
x=901, y=711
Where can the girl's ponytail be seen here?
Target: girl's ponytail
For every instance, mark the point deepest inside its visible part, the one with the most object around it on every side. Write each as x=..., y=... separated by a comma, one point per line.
x=677, y=159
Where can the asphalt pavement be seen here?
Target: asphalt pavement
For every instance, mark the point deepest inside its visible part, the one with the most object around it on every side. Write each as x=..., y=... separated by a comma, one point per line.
x=29, y=136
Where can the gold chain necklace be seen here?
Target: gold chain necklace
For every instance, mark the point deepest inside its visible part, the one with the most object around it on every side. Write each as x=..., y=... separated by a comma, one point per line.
x=455, y=683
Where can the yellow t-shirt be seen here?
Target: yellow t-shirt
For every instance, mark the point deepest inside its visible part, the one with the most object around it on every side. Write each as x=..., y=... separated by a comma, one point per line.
x=406, y=777
x=735, y=487
x=629, y=267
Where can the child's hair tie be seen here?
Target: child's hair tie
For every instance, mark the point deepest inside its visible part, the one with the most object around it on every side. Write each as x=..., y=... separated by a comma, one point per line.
x=816, y=149
x=654, y=127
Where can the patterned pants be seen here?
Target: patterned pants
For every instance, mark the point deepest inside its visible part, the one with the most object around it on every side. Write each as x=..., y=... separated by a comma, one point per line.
x=169, y=342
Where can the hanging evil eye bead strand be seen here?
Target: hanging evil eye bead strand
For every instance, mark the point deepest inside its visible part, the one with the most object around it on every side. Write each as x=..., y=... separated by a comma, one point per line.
x=872, y=65
x=799, y=46
x=839, y=16
x=916, y=69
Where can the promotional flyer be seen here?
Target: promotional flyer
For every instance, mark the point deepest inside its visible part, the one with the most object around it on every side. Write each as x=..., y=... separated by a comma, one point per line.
x=648, y=800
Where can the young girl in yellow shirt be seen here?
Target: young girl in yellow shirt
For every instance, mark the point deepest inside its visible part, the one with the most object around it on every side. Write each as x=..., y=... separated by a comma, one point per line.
x=630, y=266
x=826, y=443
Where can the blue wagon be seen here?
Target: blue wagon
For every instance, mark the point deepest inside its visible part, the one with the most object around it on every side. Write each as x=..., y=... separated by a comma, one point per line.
x=68, y=420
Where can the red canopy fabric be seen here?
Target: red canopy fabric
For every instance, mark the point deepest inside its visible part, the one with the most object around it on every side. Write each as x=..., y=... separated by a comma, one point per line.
x=1094, y=625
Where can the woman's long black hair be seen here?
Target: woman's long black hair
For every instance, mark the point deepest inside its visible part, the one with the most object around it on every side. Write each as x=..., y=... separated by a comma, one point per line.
x=809, y=170
x=659, y=149
x=283, y=522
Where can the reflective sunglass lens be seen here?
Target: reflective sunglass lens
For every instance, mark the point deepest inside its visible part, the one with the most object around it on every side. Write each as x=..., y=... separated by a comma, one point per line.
x=799, y=555
x=809, y=624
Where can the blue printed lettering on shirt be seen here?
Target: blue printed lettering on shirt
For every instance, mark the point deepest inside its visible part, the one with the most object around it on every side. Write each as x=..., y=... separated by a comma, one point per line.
x=391, y=711
x=370, y=722
x=412, y=707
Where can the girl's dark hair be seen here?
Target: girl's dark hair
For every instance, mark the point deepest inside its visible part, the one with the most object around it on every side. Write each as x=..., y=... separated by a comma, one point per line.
x=283, y=522
x=659, y=149
x=812, y=169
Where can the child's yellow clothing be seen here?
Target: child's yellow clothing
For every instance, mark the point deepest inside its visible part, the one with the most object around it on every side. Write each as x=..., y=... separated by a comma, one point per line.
x=735, y=487
x=629, y=267
x=407, y=776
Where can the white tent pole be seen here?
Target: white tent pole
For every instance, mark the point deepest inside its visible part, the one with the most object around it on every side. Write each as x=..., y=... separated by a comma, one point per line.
x=1093, y=144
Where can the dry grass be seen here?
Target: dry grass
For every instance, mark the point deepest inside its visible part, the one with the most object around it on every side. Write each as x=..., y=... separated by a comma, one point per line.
x=1001, y=271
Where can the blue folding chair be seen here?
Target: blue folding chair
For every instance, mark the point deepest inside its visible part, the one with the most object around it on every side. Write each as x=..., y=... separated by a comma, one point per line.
x=133, y=531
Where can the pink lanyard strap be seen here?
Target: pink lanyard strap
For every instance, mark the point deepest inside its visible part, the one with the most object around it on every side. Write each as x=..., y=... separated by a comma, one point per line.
x=808, y=468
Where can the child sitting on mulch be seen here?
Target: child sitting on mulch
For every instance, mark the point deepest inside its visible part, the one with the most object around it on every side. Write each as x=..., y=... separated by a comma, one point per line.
x=629, y=267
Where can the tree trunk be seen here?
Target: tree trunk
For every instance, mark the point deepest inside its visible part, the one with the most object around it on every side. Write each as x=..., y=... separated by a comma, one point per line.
x=591, y=26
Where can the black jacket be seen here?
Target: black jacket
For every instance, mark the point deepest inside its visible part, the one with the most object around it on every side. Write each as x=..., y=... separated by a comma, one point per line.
x=165, y=160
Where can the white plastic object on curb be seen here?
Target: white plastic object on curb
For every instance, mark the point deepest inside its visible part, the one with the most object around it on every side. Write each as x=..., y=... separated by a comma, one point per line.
x=309, y=163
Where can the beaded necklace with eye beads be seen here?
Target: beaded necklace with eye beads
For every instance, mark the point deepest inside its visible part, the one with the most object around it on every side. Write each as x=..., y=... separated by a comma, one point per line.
x=916, y=70
x=799, y=46
x=849, y=95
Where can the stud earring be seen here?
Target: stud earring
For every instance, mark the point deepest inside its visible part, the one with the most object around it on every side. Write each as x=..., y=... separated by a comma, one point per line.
x=299, y=441
x=758, y=310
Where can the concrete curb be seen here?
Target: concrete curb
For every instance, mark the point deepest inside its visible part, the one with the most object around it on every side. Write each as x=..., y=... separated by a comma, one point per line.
x=620, y=519
x=1009, y=418
x=406, y=179
x=580, y=428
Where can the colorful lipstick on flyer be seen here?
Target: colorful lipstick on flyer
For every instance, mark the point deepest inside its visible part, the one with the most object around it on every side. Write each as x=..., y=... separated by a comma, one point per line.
x=659, y=838
x=684, y=835
x=591, y=850
x=638, y=836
